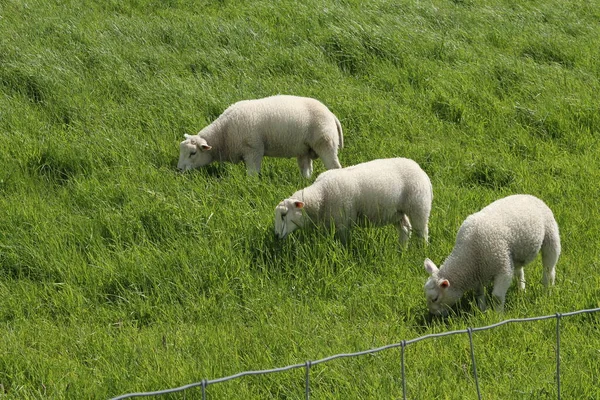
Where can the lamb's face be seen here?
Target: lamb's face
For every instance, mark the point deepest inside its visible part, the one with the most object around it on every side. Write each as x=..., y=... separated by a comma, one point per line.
x=288, y=217
x=435, y=297
x=438, y=291
x=194, y=152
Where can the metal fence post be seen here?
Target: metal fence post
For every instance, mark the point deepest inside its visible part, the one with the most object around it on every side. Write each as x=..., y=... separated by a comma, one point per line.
x=402, y=346
x=470, y=332
x=558, y=315
x=307, y=380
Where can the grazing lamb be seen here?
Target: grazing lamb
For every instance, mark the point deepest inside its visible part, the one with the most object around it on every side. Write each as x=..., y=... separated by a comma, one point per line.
x=387, y=191
x=493, y=245
x=277, y=126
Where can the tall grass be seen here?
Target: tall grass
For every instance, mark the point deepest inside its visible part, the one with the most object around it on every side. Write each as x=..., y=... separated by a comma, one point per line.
x=119, y=274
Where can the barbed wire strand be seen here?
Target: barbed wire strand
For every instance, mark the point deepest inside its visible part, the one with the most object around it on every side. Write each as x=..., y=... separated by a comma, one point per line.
x=356, y=354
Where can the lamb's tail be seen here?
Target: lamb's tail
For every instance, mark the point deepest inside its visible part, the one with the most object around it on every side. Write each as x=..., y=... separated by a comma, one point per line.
x=340, y=133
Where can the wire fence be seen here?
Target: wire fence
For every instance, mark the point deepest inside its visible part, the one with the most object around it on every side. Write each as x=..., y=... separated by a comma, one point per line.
x=308, y=364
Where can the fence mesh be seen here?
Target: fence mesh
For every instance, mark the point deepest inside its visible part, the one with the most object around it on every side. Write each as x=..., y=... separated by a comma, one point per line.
x=308, y=364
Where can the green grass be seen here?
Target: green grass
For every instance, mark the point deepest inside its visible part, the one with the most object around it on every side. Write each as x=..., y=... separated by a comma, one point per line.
x=118, y=274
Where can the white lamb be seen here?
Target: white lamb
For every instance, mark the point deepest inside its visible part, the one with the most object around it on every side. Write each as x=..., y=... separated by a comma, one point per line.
x=277, y=126
x=387, y=191
x=493, y=245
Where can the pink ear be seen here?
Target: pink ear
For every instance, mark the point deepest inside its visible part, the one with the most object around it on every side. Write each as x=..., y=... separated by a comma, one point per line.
x=444, y=284
x=299, y=204
x=205, y=147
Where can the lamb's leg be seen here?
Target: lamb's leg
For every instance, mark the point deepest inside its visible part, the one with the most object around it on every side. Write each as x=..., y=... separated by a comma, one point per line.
x=253, y=161
x=331, y=163
x=549, y=274
x=342, y=234
x=550, y=253
x=520, y=277
x=501, y=284
x=328, y=154
x=305, y=164
x=480, y=296
x=404, y=229
x=419, y=220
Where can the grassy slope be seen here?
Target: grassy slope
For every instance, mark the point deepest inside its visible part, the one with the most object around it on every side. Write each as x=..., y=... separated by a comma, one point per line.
x=118, y=274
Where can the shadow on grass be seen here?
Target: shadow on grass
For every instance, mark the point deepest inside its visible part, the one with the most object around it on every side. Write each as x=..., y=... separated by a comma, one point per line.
x=465, y=308
x=319, y=245
x=488, y=175
x=28, y=84
x=59, y=165
x=214, y=170
x=270, y=254
x=295, y=255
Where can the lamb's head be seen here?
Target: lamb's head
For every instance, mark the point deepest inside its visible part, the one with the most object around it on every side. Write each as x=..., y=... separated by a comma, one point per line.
x=439, y=292
x=194, y=152
x=288, y=217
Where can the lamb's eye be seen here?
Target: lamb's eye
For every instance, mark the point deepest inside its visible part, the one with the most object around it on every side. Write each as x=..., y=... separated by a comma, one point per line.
x=193, y=153
x=435, y=299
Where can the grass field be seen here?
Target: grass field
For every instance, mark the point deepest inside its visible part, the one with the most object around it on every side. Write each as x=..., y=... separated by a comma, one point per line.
x=118, y=274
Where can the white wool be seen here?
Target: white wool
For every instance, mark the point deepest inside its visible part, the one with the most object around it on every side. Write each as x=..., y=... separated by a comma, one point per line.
x=492, y=245
x=386, y=191
x=277, y=126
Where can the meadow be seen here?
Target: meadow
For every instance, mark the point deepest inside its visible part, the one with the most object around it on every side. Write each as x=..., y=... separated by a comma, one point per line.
x=119, y=274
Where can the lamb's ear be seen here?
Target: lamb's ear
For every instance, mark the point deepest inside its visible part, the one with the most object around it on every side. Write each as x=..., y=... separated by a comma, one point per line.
x=430, y=266
x=185, y=135
x=202, y=145
x=298, y=204
x=444, y=284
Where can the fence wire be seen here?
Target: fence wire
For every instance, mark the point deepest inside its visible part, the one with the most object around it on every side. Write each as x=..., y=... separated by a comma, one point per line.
x=308, y=364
